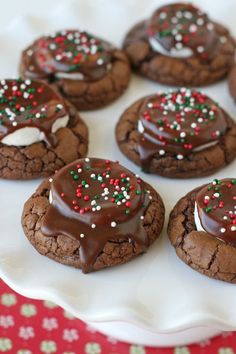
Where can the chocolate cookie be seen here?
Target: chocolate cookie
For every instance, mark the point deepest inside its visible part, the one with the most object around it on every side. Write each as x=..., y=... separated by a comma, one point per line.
x=202, y=228
x=179, y=134
x=39, y=131
x=88, y=71
x=232, y=82
x=93, y=214
x=179, y=45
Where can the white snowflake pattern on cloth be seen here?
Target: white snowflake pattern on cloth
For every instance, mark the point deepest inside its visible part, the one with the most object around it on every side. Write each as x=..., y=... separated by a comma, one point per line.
x=7, y=321
x=49, y=323
x=93, y=348
x=70, y=335
x=26, y=332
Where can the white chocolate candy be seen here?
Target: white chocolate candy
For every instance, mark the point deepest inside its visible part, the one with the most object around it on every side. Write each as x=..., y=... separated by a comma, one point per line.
x=30, y=135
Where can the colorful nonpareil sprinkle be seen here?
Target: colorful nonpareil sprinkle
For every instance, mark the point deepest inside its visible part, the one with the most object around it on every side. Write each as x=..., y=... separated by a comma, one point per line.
x=217, y=208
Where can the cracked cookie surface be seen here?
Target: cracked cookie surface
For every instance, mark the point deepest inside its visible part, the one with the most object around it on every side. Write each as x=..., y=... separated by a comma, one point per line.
x=66, y=250
x=196, y=164
x=198, y=249
x=40, y=160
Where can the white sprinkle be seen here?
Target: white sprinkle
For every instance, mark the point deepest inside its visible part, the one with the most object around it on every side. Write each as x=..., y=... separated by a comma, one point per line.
x=188, y=15
x=200, y=49
x=225, y=217
x=87, y=159
x=27, y=82
x=113, y=224
x=182, y=134
x=141, y=217
x=93, y=226
x=25, y=95
x=14, y=88
x=29, y=52
x=222, y=230
x=192, y=28
x=216, y=195
x=200, y=21
x=59, y=106
x=223, y=39
x=233, y=228
x=82, y=235
x=50, y=180
x=52, y=46
x=58, y=57
x=37, y=115
x=98, y=208
x=163, y=15
x=14, y=124
x=179, y=14
x=100, y=61
x=180, y=157
x=178, y=37
x=193, y=125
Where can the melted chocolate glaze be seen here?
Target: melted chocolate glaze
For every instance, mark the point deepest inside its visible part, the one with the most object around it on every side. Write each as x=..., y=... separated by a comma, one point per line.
x=216, y=205
x=96, y=201
x=70, y=52
x=181, y=25
x=178, y=123
x=26, y=103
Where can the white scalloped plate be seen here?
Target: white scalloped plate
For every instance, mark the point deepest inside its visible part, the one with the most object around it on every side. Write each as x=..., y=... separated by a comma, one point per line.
x=156, y=291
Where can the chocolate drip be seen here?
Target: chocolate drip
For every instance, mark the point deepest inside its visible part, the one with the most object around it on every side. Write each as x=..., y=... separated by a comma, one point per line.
x=68, y=52
x=216, y=205
x=26, y=103
x=96, y=201
x=178, y=26
x=179, y=123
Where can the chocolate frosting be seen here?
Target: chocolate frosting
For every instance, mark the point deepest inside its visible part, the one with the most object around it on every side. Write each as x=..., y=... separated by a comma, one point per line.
x=96, y=201
x=26, y=103
x=179, y=123
x=216, y=205
x=180, y=25
x=70, y=52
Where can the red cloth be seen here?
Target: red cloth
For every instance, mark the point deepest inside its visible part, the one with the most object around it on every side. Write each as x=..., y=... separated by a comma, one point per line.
x=34, y=327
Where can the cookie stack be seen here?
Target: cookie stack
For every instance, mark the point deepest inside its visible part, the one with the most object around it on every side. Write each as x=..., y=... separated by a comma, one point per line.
x=92, y=213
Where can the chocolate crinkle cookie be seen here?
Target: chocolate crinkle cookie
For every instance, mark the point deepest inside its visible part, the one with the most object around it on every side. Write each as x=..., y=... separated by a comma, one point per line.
x=202, y=229
x=179, y=134
x=93, y=214
x=88, y=71
x=40, y=131
x=180, y=45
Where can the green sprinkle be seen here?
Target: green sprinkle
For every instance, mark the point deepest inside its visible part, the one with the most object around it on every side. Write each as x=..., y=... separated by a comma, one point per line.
x=208, y=209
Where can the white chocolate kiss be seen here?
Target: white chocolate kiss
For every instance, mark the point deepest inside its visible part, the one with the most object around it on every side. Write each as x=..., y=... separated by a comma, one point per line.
x=197, y=219
x=184, y=52
x=30, y=135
